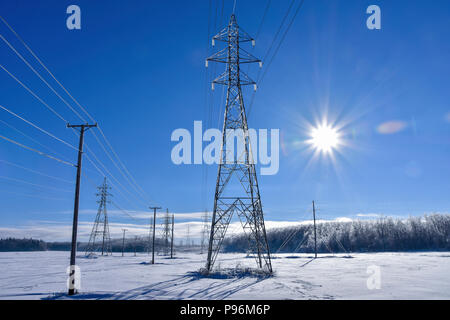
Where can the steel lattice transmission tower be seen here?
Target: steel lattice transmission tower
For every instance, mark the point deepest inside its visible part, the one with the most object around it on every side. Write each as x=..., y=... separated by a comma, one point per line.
x=205, y=231
x=101, y=228
x=167, y=233
x=244, y=198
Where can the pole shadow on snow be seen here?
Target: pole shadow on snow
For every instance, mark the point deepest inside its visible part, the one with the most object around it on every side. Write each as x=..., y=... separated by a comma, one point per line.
x=307, y=262
x=216, y=285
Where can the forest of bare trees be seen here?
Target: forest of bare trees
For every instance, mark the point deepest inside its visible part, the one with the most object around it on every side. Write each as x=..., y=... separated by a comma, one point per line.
x=430, y=232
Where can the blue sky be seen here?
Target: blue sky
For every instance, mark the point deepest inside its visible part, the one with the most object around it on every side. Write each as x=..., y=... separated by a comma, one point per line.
x=138, y=68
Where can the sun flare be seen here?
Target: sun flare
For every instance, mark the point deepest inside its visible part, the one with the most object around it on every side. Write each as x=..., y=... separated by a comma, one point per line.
x=324, y=138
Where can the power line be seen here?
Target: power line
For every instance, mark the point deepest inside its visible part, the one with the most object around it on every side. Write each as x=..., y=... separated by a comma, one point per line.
x=56, y=113
x=33, y=94
x=107, y=171
x=59, y=116
x=32, y=139
x=62, y=118
x=40, y=77
x=115, y=164
x=208, y=107
x=278, y=31
x=259, y=79
x=36, y=151
x=131, y=178
x=112, y=202
x=111, y=176
x=43, y=65
x=221, y=12
x=282, y=38
x=263, y=18
x=31, y=184
x=88, y=149
x=113, y=185
x=123, y=211
x=34, y=171
x=32, y=196
x=39, y=128
x=127, y=175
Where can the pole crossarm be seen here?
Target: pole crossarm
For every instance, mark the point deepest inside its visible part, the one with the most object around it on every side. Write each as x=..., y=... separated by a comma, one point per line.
x=85, y=126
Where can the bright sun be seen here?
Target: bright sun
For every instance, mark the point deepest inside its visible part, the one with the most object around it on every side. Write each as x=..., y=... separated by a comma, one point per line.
x=324, y=138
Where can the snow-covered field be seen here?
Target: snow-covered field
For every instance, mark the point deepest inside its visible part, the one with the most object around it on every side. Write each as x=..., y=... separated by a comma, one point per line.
x=41, y=275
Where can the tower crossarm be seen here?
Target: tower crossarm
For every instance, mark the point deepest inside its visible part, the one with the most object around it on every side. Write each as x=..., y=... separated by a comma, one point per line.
x=243, y=56
x=227, y=77
x=233, y=27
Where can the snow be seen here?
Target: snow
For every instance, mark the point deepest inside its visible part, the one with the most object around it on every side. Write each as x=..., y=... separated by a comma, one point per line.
x=42, y=275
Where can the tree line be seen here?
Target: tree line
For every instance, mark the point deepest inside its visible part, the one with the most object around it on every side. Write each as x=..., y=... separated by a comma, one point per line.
x=138, y=244
x=430, y=232
x=11, y=244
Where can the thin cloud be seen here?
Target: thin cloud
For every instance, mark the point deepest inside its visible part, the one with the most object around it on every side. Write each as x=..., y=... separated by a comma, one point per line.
x=144, y=214
x=51, y=231
x=391, y=127
x=369, y=215
x=343, y=219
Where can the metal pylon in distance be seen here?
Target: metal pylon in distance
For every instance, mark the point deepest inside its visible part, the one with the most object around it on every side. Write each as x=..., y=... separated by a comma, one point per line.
x=100, y=239
x=244, y=197
x=166, y=233
x=205, y=231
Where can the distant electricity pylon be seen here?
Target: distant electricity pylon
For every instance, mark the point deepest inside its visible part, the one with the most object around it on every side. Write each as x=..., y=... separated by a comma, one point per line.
x=205, y=231
x=188, y=236
x=101, y=227
x=246, y=203
x=123, y=240
x=166, y=233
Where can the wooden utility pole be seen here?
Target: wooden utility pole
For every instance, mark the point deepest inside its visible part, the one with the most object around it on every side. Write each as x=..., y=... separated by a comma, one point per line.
x=315, y=234
x=171, y=242
x=149, y=235
x=153, y=242
x=73, y=250
x=123, y=241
